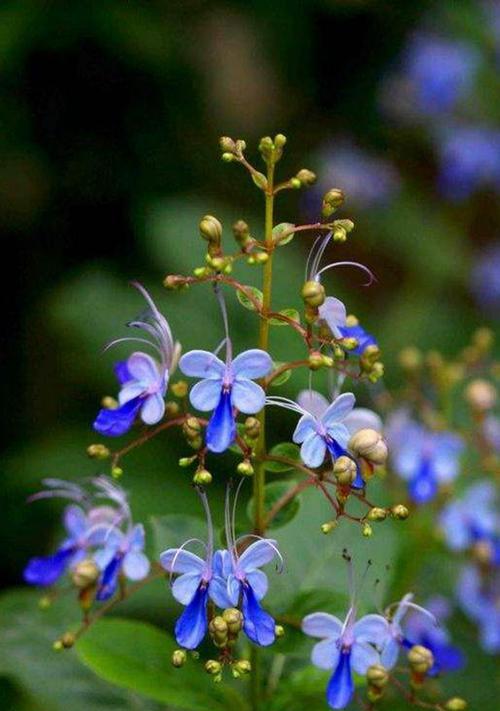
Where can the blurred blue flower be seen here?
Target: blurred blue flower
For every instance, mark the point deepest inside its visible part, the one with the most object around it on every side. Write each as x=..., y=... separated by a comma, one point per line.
x=425, y=459
x=485, y=279
x=473, y=519
x=469, y=159
x=478, y=596
x=345, y=647
x=143, y=379
x=224, y=387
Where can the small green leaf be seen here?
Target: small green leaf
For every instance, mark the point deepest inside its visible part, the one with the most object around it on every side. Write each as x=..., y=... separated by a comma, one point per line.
x=282, y=378
x=280, y=230
x=292, y=314
x=135, y=655
x=246, y=302
x=272, y=493
x=172, y=530
x=283, y=449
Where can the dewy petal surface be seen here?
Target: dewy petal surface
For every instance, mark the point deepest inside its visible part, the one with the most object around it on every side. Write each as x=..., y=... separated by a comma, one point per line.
x=202, y=364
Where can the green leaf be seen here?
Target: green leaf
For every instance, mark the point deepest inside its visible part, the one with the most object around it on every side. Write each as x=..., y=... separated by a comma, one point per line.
x=136, y=656
x=56, y=681
x=282, y=378
x=245, y=301
x=172, y=530
x=283, y=449
x=279, y=230
x=272, y=493
x=289, y=313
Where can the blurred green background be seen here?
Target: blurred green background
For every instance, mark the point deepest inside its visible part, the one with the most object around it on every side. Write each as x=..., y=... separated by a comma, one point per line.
x=111, y=113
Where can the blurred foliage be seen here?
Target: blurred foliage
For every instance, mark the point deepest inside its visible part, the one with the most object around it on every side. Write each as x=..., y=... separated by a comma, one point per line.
x=110, y=113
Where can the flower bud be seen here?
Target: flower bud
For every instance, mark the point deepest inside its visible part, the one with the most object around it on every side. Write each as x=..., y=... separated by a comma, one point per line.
x=279, y=141
x=245, y=468
x=367, y=530
x=400, y=512
x=227, y=145
x=172, y=409
x=116, y=472
x=456, y=704
x=85, y=574
x=279, y=631
x=191, y=428
x=228, y=157
x=266, y=147
x=180, y=388
x=57, y=646
x=333, y=199
x=240, y=145
x=347, y=225
x=349, y=343
x=328, y=527
x=109, y=403
x=252, y=428
x=370, y=355
x=213, y=667
x=261, y=257
x=202, y=477
x=196, y=442
x=339, y=234
x=179, y=658
x=211, y=229
x=233, y=619
x=481, y=395
x=313, y=293
x=260, y=180
x=241, y=233
x=295, y=183
x=241, y=667
x=377, y=676
x=68, y=640
x=370, y=445
x=98, y=451
x=420, y=659
x=377, y=514
x=306, y=177
x=376, y=372
x=186, y=461
x=315, y=360
x=344, y=470
x=218, y=629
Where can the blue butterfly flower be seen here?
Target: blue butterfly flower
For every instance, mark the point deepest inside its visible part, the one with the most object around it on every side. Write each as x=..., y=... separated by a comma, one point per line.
x=478, y=597
x=226, y=386
x=143, y=380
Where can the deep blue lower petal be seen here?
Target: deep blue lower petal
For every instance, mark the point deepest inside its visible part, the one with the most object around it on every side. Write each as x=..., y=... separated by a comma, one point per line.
x=363, y=338
x=109, y=579
x=258, y=624
x=113, y=423
x=191, y=626
x=122, y=372
x=48, y=569
x=359, y=482
x=341, y=686
x=447, y=658
x=423, y=487
x=221, y=429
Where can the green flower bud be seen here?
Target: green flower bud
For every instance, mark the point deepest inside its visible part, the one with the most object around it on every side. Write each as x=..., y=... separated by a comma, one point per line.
x=241, y=232
x=456, y=704
x=420, y=659
x=116, y=472
x=344, y=470
x=98, y=451
x=213, y=667
x=377, y=675
x=295, y=183
x=227, y=145
x=400, y=512
x=179, y=658
x=211, y=229
x=219, y=630
x=191, y=428
x=347, y=225
x=367, y=530
x=279, y=631
x=233, y=619
x=481, y=395
x=333, y=199
x=261, y=257
x=180, y=388
x=328, y=527
x=57, y=646
x=313, y=293
x=306, y=177
x=315, y=361
x=349, y=343
x=227, y=157
x=245, y=468
x=260, y=180
x=109, y=403
x=240, y=145
x=85, y=574
x=339, y=234
x=202, y=477
x=186, y=461
x=252, y=428
x=279, y=140
x=377, y=514
x=68, y=640
x=172, y=409
x=241, y=667
x=266, y=147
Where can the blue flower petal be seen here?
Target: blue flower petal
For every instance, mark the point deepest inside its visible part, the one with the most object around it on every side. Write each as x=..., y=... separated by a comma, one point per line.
x=313, y=449
x=363, y=338
x=447, y=658
x=221, y=429
x=191, y=626
x=48, y=569
x=253, y=363
x=113, y=423
x=258, y=624
x=205, y=394
x=247, y=396
x=423, y=487
x=122, y=372
x=341, y=686
x=109, y=578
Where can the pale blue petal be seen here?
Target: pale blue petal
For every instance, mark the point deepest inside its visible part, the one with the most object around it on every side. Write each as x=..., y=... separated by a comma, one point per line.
x=75, y=521
x=363, y=656
x=322, y=624
x=205, y=395
x=305, y=426
x=217, y=590
x=372, y=628
x=258, y=580
x=334, y=313
x=362, y=418
x=202, y=364
x=135, y=565
x=446, y=457
x=153, y=409
x=175, y=560
x=312, y=402
x=103, y=557
x=130, y=391
x=339, y=432
x=257, y=554
x=340, y=408
x=144, y=368
x=247, y=396
x=185, y=586
x=390, y=653
x=325, y=654
x=221, y=563
x=137, y=538
x=253, y=363
x=313, y=450
x=233, y=589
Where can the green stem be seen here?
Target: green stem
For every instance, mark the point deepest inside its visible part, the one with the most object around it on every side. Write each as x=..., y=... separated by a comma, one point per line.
x=259, y=479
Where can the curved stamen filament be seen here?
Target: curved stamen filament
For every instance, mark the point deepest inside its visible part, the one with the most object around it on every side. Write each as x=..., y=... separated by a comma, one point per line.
x=348, y=264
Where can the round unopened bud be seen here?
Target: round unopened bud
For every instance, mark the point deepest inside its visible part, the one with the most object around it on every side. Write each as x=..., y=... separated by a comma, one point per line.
x=266, y=146
x=57, y=646
x=85, y=574
x=367, y=530
x=295, y=183
x=377, y=514
x=98, y=451
x=481, y=395
x=333, y=199
x=400, y=512
x=344, y=470
x=227, y=157
x=180, y=388
x=339, y=234
x=240, y=145
x=109, y=403
x=456, y=704
x=350, y=343
x=377, y=675
x=191, y=428
x=279, y=140
x=172, y=409
x=241, y=232
x=202, y=477
x=329, y=526
x=186, y=461
x=306, y=177
x=370, y=355
x=370, y=445
x=328, y=362
x=211, y=229
x=259, y=180
x=261, y=257
x=216, y=263
x=241, y=667
x=212, y=666
x=420, y=658
x=245, y=468
x=68, y=640
x=315, y=360
x=179, y=658
x=116, y=472
x=227, y=144
x=279, y=631
x=233, y=619
x=313, y=293
x=252, y=427
x=218, y=629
